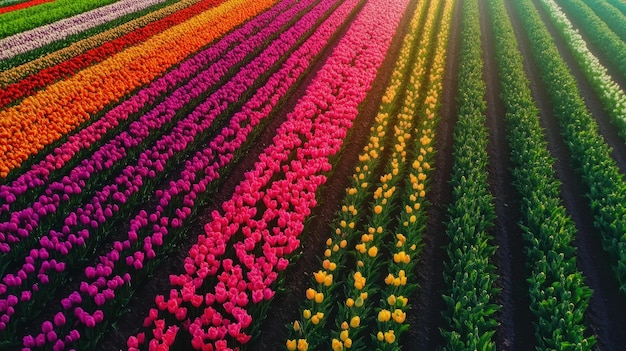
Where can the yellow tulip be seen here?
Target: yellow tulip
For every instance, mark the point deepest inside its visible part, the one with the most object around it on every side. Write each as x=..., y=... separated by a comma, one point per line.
x=291, y=345
x=303, y=345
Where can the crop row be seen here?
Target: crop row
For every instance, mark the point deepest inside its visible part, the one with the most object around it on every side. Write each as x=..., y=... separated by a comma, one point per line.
x=32, y=17
x=29, y=40
x=283, y=182
x=144, y=112
x=44, y=117
x=94, y=217
x=610, y=93
x=20, y=6
x=591, y=157
x=65, y=66
x=598, y=33
x=363, y=283
x=318, y=306
x=470, y=275
x=613, y=18
x=48, y=59
x=558, y=295
x=618, y=4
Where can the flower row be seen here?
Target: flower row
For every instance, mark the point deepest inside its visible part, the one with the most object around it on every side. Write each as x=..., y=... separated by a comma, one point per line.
x=610, y=93
x=470, y=276
x=69, y=66
x=309, y=330
x=132, y=141
x=145, y=112
x=104, y=207
x=407, y=237
x=605, y=186
x=288, y=175
x=49, y=59
x=598, y=32
x=60, y=107
x=558, y=295
x=139, y=252
x=363, y=282
x=22, y=5
x=32, y=17
x=40, y=36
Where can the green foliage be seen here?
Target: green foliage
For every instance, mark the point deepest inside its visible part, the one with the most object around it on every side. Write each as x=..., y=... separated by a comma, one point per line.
x=590, y=156
x=469, y=274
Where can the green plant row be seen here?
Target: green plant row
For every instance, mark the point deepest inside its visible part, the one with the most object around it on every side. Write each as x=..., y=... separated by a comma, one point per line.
x=469, y=275
x=590, y=156
x=598, y=32
x=558, y=295
x=618, y=4
x=612, y=96
x=32, y=17
x=355, y=315
x=613, y=18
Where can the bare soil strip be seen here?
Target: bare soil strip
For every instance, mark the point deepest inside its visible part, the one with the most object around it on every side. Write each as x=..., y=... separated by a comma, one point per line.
x=607, y=308
x=426, y=318
x=515, y=317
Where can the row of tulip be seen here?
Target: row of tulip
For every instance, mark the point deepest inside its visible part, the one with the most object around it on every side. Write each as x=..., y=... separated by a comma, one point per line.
x=104, y=163
x=139, y=252
x=382, y=228
x=357, y=316
x=610, y=93
x=48, y=59
x=605, y=186
x=362, y=283
x=29, y=40
x=21, y=5
x=598, y=33
x=610, y=15
x=470, y=275
x=558, y=295
x=407, y=237
x=285, y=179
x=39, y=52
x=104, y=207
x=138, y=112
x=317, y=308
x=42, y=118
x=28, y=86
x=32, y=17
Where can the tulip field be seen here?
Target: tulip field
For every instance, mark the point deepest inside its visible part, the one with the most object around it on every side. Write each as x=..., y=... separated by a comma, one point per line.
x=312, y=175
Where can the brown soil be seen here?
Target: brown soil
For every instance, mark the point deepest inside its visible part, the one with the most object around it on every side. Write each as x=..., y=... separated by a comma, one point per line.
x=607, y=309
x=426, y=317
x=515, y=316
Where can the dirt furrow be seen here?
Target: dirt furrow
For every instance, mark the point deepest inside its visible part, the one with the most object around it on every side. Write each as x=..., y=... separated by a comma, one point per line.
x=607, y=310
x=594, y=105
x=515, y=317
x=426, y=318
